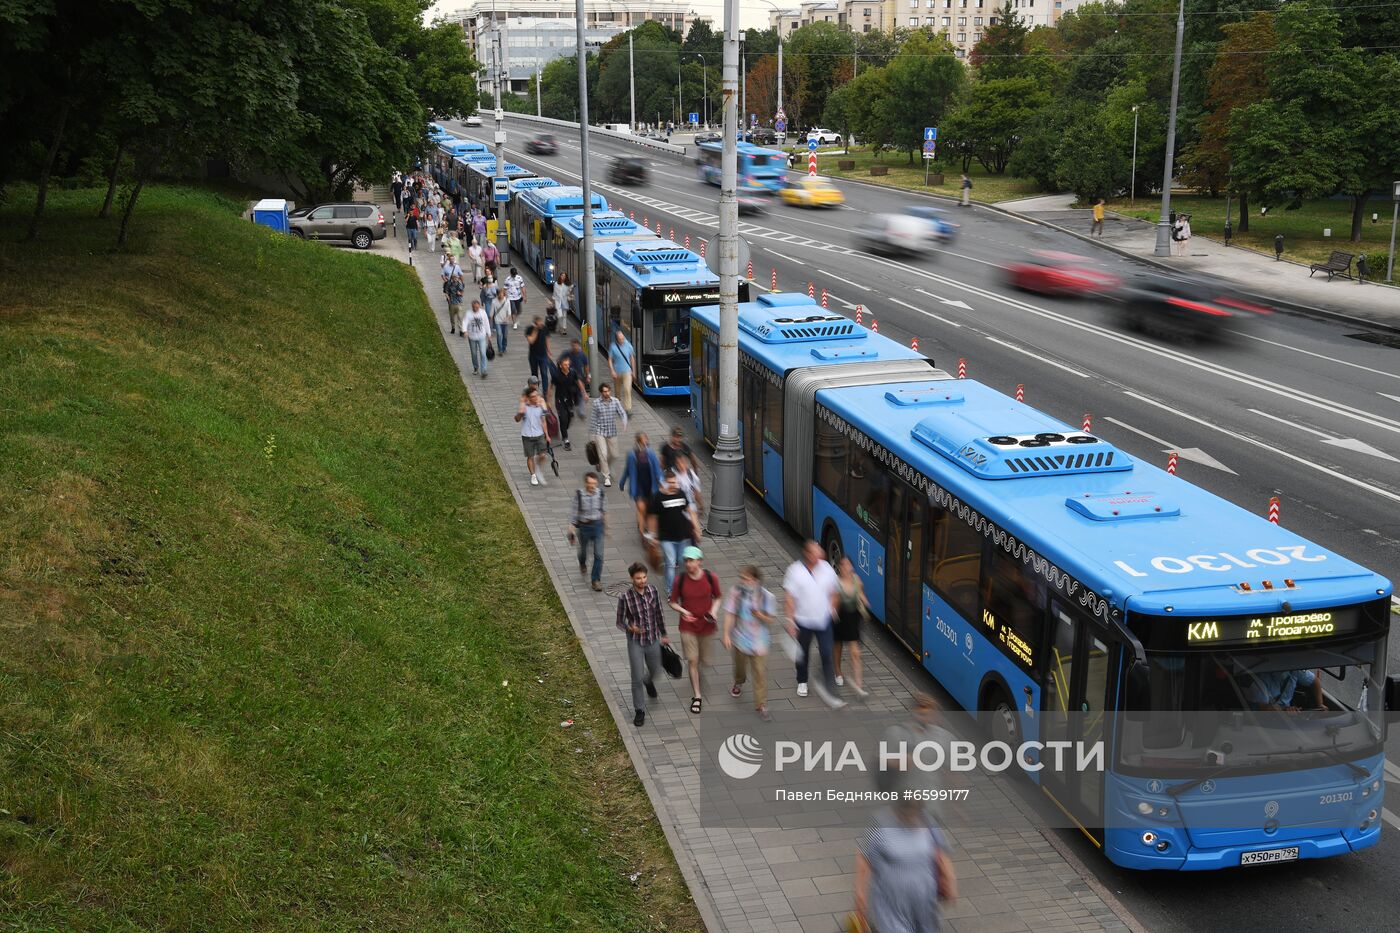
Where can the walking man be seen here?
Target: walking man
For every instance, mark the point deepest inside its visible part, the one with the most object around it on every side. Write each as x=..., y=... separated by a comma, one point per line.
x=569, y=395
x=515, y=291
x=642, y=475
x=530, y=414
x=621, y=357
x=499, y=313
x=478, y=335
x=1097, y=226
x=671, y=523
x=639, y=615
x=966, y=190
x=748, y=611
x=696, y=595
x=588, y=524
x=605, y=418
x=675, y=449
x=397, y=188
x=810, y=587
x=537, y=336
x=454, y=289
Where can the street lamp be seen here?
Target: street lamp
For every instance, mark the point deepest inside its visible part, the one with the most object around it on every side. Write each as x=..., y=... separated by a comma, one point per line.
x=1164, y=227
x=1132, y=186
x=779, y=30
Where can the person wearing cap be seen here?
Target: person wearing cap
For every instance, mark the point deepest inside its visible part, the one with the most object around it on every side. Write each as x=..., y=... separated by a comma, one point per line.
x=672, y=524
x=696, y=595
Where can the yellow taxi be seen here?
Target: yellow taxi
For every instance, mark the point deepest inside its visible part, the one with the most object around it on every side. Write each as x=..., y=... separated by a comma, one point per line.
x=812, y=192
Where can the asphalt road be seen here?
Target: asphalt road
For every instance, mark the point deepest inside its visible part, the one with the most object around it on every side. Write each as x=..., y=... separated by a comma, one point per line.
x=1295, y=408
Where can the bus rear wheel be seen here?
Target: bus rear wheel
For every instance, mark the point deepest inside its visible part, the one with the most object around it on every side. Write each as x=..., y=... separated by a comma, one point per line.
x=999, y=719
x=831, y=543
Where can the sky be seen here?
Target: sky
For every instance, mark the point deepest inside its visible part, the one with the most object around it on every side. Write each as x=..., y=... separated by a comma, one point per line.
x=752, y=15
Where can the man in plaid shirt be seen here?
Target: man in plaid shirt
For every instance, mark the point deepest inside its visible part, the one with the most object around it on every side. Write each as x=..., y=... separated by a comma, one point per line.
x=606, y=418
x=639, y=615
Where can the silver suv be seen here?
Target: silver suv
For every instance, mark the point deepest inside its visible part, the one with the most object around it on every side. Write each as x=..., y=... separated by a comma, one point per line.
x=358, y=224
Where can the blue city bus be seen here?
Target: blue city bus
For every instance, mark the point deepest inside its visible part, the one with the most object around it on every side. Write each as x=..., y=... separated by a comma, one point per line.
x=757, y=168
x=449, y=159
x=1068, y=592
x=532, y=217
x=480, y=176
x=568, y=242
x=648, y=287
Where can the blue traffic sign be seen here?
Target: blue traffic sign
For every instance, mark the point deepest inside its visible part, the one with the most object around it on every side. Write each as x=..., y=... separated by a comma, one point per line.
x=930, y=133
x=695, y=118
x=780, y=126
x=811, y=145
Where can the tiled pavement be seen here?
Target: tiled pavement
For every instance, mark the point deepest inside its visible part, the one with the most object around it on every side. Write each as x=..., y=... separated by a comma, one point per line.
x=791, y=880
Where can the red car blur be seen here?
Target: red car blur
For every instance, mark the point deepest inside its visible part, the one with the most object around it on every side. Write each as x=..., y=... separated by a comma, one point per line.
x=1051, y=273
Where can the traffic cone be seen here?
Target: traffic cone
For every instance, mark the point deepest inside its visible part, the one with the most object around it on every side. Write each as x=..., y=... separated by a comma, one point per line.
x=1273, y=510
x=672, y=237
x=702, y=249
x=687, y=241
x=632, y=216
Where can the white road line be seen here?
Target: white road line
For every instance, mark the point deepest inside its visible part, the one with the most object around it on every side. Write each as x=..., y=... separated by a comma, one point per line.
x=923, y=311
x=1393, y=398
x=1293, y=424
x=839, y=279
x=1369, y=487
x=1392, y=769
x=1330, y=359
x=1390, y=817
x=1036, y=356
x=1124, y=424
x=784, y=256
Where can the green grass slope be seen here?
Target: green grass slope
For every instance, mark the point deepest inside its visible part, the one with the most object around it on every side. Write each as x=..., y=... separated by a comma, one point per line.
x=272, y=630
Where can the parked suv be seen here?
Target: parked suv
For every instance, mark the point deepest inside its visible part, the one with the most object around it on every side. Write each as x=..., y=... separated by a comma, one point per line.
x=764, y=136
x=358, y=224
x=824, y=137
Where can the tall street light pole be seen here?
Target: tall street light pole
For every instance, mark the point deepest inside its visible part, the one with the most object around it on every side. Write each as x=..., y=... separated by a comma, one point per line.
x=631, y=80
x=586, y=301
x=539, y=75
x=1164, y=227
x=498, y=75
x=1132, y=186
x=727, y=516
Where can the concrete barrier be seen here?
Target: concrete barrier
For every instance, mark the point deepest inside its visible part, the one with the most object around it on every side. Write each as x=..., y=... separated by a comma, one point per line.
x=542, y=122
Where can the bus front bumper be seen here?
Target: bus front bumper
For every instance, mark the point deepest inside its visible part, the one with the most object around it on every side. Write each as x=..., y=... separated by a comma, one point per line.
x=1125, y=847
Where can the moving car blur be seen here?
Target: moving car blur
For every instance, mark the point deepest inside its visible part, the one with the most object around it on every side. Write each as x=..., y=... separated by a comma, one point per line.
x=707, y=138
x=943, y=229
x=811, y=192
x=628, y=170
x=895, y=234
x=1050, y=273
x=543, y=144
x=753, y=200
x=1174, y=307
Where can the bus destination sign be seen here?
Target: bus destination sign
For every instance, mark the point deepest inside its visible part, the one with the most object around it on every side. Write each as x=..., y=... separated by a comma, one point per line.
x=1273, y=629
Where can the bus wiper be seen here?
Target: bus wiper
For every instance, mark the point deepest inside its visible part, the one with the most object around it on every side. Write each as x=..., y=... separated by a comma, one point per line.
x=1330, y=752
x=1176, y=790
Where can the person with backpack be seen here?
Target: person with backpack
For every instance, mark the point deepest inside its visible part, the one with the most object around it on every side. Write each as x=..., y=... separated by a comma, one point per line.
x=533, y=434
x=538, y=338
x=696, y=595
x=588, y=525
x=748, y=611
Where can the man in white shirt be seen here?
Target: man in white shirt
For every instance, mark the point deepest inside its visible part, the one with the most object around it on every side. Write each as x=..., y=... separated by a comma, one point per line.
x=810, y=587
x=515, y=291
x=530, y=415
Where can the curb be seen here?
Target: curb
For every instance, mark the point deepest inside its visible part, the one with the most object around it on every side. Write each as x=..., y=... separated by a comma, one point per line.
x=1303, y=310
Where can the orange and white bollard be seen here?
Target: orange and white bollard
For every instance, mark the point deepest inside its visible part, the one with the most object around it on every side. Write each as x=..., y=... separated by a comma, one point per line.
x=645, y=222
x=823, y=298
x=1088, y=423
x=962, y=367
x=702, y=249
x=658, y=228
x=874, y=326
x=687, y=241
x=632, y=216
x=811, y=290
x=1171, y=463
x=750, y=273
x=914, y=344
x=1273, y=510
x=775, y=280
x=1020, y=392
x=858, y=320
x=672, y=237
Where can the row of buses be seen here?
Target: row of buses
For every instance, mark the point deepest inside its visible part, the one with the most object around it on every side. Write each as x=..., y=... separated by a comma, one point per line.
x=645, y=284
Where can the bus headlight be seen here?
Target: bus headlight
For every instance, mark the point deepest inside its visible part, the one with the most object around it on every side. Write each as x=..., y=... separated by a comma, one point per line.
x=1149, y=837
x=1375, y=786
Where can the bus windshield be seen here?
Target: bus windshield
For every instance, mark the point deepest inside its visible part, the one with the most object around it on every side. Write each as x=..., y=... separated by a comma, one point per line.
x=668, y=330
x=1274, y=708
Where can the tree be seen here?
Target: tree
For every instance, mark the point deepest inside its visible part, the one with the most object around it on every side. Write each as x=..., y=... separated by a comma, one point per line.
x=559, y=79
x=654, y=65
x=763, y=88
x=814, y=56
x=998, y=54
x=923, y=79
x=990, y=124
x=849, y=110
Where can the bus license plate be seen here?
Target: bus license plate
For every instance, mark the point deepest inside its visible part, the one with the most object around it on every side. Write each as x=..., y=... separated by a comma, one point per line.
x=1268, y=856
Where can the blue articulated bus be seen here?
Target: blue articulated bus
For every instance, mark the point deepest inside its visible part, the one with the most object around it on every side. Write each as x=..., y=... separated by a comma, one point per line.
x=481, y=175
x=648, y=287
x=1069, y=592
x=568, y=242
x=756, y=167
x=533, y=215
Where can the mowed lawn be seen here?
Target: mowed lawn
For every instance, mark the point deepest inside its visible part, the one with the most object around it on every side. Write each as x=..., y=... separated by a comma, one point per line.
x=276, y=650
x=904, y=174
x=1302, y=229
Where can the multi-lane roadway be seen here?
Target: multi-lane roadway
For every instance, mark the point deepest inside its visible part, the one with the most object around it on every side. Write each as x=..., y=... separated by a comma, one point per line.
x=1291, y=407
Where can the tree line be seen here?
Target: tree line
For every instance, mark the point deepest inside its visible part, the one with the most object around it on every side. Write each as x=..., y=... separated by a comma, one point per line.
x=1279, y=102
x=323, y=94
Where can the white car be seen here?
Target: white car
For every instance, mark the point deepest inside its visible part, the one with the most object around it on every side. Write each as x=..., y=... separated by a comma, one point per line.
x=824, y=137
x=473, y=120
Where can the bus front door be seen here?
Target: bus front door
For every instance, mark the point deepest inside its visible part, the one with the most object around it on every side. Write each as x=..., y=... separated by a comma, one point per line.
x=904, y=561
x=1075, y=693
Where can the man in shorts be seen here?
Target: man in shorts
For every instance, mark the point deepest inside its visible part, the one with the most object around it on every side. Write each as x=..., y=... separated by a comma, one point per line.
x=696, y=596
x=530, y=414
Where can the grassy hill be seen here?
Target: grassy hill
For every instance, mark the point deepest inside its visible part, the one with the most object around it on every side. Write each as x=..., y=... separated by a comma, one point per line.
x=276, y=650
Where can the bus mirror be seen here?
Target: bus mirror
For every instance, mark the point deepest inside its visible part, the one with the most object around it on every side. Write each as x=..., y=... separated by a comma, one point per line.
x=1136, y=691
x=1392, y=694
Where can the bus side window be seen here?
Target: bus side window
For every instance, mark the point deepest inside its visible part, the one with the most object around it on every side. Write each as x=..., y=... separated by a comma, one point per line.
x=1016, y=597
x=955, y=562
x=868, y=490
x=773, y=417
x=831, y=459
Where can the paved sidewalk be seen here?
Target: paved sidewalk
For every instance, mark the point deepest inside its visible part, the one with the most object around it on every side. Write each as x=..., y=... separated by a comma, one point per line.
x=1287, y=282
x=796, y=880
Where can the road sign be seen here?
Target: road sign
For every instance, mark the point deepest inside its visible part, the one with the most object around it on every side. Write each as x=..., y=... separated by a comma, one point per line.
x=695, y=118
x=812, y=164
x=501, y=188
x=780, y=125
x=753, y=119
x=930, y=148
x=930, y=134
x=811, y=145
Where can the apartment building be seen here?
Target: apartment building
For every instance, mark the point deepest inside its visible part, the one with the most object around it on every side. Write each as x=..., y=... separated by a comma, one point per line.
x=477, y=17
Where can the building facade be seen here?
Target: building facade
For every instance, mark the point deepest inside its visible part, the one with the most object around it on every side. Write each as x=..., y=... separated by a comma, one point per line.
x=477, y=17
x=962, y=21
x=524, y=45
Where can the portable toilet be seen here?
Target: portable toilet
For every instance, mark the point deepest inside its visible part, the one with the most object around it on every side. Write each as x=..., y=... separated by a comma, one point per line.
x=271, y=212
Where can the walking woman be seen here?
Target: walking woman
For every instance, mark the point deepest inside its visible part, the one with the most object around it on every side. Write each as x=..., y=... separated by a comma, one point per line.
x=903, y=872
x=849, y=607
x=410, y=227
x=563, y=300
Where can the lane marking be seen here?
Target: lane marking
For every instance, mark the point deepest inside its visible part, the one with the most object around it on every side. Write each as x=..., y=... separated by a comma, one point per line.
x=783, y=256
x=839, y=279
x=1292, y=424
x=1191, y=454
x=1330, y=359
x=1360, y=484
x=1390, y=817
x=1036, y=356
x=1345, y=443
x=923, y=311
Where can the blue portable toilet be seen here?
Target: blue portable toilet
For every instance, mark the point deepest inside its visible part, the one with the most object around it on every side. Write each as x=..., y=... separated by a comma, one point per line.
x=271, y=212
